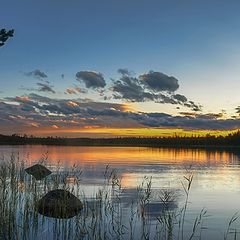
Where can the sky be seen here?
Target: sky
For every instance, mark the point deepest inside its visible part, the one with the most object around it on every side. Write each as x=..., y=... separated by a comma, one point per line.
x=112, y=68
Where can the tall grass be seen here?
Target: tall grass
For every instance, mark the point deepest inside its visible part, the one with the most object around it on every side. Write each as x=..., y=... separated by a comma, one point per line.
x=104, y=215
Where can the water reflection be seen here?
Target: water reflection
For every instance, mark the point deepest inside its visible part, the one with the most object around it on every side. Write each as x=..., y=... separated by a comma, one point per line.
x=123, y=155
x=216, y=175
x=214, y=168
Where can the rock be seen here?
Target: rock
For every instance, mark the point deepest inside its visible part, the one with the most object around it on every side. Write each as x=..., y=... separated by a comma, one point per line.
x=38, y=171
x=59, y=204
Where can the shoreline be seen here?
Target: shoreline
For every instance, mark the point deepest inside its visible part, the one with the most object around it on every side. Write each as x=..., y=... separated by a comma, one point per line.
x=127, y=145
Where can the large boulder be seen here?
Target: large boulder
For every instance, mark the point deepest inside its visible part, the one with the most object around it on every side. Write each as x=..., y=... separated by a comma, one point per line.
x=59, y=204
x=38, y=171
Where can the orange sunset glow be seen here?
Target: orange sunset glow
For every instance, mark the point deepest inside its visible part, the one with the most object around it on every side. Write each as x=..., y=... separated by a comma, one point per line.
x=98, y=132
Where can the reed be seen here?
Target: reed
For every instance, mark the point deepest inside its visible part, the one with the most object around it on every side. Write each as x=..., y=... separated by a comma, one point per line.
x=104, y=213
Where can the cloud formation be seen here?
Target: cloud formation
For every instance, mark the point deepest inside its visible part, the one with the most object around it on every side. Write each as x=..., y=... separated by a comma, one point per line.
x=129, y=88
x=157, y=81
x=38, y=111
x=151, y=86
x=37, y=74
x=91, y=79
x=45, y=87
x=237, y=109
x=180, y=98
x=75, y=90
x=5, y=35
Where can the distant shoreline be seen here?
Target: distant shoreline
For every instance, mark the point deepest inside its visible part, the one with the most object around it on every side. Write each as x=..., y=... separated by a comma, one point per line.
x=235, y=147
x=230, y=141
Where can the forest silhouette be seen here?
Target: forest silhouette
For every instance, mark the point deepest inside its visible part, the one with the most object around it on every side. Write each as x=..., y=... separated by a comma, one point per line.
x=232, y=139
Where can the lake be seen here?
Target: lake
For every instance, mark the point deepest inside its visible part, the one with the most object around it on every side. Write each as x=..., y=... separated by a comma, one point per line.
x=215, y=187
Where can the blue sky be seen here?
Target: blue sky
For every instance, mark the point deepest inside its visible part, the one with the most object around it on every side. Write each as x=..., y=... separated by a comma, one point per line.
x=197, y=42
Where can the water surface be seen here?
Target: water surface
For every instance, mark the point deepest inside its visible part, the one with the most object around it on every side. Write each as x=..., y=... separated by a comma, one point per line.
x=216, y=182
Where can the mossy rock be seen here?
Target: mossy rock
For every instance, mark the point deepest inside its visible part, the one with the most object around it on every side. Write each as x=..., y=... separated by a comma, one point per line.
x=59, y=204
x=38, y=171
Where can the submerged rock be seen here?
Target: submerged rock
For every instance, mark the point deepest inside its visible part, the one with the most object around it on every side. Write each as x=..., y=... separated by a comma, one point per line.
x=38, y=171
x=59, y=204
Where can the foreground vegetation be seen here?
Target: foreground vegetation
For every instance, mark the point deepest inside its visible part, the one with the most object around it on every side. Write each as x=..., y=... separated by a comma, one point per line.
x=232, y=139
x=103, y=214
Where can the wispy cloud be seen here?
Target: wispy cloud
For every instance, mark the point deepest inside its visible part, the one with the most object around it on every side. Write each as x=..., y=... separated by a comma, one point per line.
x=75, y=90
x=45, y=87
x=37, y=74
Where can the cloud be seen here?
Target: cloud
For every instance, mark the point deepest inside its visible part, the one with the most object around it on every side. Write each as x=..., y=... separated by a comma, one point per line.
x=91, y=79
x=203, y=116
x=22, y=99
x=45, y=87
x=70, y=91
x=5, y=35
x=124, y=71
x=37, y=110
x=61, y=112
x=180, y=98
x=75, y=90
x=237, y=109
x=37, y=74
x=129, y=88
x=188, y=114
x=158, y=81
x=152, y=86
x=195, y=107
x=189, y=122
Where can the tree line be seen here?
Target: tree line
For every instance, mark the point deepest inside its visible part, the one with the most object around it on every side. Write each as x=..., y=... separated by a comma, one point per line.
x=232, y=139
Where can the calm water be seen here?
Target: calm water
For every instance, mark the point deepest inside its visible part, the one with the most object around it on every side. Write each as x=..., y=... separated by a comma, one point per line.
x=216, y=184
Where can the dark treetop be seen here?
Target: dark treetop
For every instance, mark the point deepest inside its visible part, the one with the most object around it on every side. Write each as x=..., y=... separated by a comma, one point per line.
x=174, y=141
